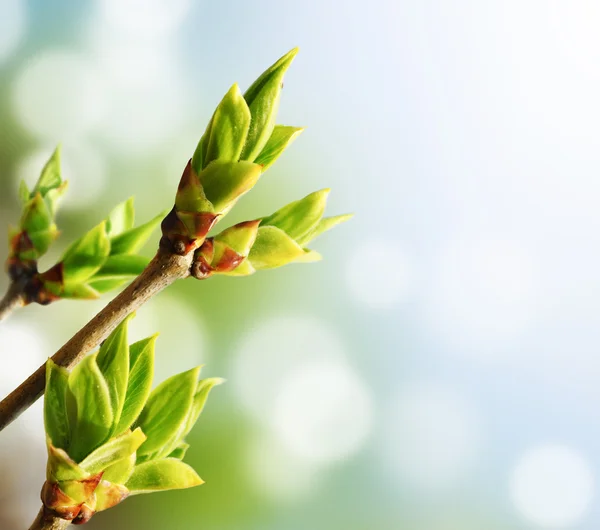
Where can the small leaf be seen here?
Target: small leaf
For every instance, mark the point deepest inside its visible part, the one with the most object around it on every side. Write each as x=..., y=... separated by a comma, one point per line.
x=121, y=218
x=239, y=237
x=61, y=466
x=76, y=291
x=263, y=99
x=56, y=419
x=299, y=217
x=202, y=390
x=273, y=248
x=160, y=475
x=120, y=471
x=327, y=223
x=141, y=372
x=167, y=409
x=225, y=182
x=93, y=409
x=121, y=266
x=133, y=240
x=86, y=255
x=281, y=138
x=179, y=451
x=113, y=451
x=24, y=193
x=229, y=128
x=113, y=361
x=50, y=178
x=102, y=286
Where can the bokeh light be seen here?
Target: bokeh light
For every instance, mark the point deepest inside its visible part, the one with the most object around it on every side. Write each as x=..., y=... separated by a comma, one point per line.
x=432, y=436
x=552, y=486
x=12, y=26
x=378, y=273
x=59, y=94
x=323, y=412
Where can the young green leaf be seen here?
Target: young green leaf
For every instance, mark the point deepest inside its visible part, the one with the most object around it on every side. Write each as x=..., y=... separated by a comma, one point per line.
x=225, y=182
x=119, y=472
x=113, y=451
x=121, y=218
x=202, y=390
x=86, y=255
x=77, y=291
x=50, y=177
x=141, y=372
x=327, y=223
x=281, y=137
x=179, y=451
x=160, y=475
x=273, y=248
x=24, y=193
x=263, y=99
x=56, y=419
x=102, y=285
x=299, y=217
x=132, y=241
x=61, y=466
x=229, y=128
x=166, y=410
x=94, y=412
x=113, y=361
x=121, y=266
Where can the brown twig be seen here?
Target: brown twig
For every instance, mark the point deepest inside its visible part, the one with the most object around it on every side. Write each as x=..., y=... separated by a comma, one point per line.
x=46, y=522
x=162, y=271
x=13, y=298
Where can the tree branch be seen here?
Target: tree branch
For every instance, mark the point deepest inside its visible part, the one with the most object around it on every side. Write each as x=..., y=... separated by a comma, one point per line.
x=162, y=271
x=45, y=522
x=13, y=298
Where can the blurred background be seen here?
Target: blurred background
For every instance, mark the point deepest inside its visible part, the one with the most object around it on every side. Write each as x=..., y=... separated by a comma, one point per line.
x=440, y=369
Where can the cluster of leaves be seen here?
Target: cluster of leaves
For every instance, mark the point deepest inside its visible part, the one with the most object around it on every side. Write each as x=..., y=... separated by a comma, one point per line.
x=101, y=260
x=269, y=242
x=109, y=436
x=241, y=141
x=37, y=229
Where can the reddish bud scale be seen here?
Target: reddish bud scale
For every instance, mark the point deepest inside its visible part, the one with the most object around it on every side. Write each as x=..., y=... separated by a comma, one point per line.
x=57, y=503
x=203, y=266
x=17, y=264
x=177, y=238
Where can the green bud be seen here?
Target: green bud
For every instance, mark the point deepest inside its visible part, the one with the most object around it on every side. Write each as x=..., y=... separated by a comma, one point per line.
x=281, y=137
x=226, y=133
x=299, y=217
x=274, y=248
x=263, y=99
x=225, y=182
x=283, y=235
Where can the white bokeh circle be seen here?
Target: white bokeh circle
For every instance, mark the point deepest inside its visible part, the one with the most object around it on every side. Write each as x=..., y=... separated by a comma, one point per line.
x=432, y=436
x=271, y=352
x=323, y=412
x=12, y=26
x=552, y=486
x=378, y=274
x=59, y=94
x=481, y=294
x=82, y=165
x=145, y=18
